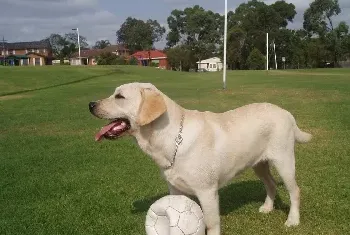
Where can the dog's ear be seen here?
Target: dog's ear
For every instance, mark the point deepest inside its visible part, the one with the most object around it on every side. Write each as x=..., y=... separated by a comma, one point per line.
x=151, y=107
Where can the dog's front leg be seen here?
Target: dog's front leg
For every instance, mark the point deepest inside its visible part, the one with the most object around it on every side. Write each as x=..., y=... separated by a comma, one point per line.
x=209, y=201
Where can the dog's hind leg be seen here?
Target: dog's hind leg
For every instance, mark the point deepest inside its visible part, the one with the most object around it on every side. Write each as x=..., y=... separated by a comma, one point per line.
x=285, y=166
x=262, y=170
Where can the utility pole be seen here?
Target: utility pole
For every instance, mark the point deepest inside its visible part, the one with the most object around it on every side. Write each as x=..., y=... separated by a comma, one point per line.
x=77, y=29
x=3, y=49
x=267, y=51
x=225, y=47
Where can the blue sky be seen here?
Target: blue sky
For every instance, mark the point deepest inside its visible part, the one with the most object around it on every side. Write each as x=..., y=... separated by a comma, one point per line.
x=100, y=19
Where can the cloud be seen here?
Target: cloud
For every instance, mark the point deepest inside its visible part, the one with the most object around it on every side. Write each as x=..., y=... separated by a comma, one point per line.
x=26, y=20
x=37, y=19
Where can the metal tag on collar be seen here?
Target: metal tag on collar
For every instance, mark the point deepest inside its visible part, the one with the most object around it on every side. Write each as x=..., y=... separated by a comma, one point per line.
x=178, y=139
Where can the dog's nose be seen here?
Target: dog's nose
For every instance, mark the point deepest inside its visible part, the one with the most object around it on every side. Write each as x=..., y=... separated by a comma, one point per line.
x=92, y=106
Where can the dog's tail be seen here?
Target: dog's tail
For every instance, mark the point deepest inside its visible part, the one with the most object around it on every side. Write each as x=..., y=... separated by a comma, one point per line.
x=301, y=136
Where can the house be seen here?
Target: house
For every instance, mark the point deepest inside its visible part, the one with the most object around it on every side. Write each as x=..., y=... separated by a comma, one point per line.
x=157, y=58
x=212, y=64
x=35, y=53
x=89, y=56
x=119, y=50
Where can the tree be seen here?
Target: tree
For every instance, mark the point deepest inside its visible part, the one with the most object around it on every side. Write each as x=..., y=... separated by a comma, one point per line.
x=256, y=60
x=236, y=42
x=249, y=24
x=64, y=46
x=318, y=17
x=107, y=58
x=179, y=58
x=337, y=41
x=200, y=30
x=196, y=34
x=318, y=22
x=139, y=35
x=157, y=30
x=57, y=43
x=73, y=39
x=101, y=44
x=342, y=32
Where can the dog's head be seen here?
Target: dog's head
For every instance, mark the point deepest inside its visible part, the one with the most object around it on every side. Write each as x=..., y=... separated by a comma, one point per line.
x=131, y=106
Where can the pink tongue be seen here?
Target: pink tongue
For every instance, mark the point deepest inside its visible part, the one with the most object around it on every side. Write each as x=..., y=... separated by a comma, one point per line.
x=104, y=130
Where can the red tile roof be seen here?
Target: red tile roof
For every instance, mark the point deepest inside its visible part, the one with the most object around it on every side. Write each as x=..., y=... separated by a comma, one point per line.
x=154, y=54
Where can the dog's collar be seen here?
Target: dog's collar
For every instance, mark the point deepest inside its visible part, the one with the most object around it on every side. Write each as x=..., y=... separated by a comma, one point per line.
x=178, y=141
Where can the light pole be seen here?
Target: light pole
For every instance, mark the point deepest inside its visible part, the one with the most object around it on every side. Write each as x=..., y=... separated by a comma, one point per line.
x=77, y=29
x=225, y=45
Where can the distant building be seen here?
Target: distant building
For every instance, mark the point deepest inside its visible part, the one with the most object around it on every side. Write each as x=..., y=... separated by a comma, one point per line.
x=89, y=56
x=36, y=53
x=212, y=64
x=158, y=58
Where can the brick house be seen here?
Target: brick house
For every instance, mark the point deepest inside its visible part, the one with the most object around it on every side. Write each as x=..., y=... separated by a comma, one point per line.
x=158, y=58
x=36, y=53
x=89, y=56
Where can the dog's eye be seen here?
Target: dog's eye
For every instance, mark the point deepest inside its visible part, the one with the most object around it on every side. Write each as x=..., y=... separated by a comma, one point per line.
x=119, y=96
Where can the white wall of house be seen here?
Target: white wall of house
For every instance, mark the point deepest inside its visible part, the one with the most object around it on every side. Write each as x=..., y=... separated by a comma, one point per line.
x=212, y=64
x=34, y=59
x=74, y=61
x=25, y=61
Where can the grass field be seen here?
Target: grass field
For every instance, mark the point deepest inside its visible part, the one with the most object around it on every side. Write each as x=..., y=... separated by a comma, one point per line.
x=54, y=179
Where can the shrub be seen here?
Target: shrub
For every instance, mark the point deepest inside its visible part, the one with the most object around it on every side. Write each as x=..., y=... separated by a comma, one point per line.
x=133, y=61
x=256, y=60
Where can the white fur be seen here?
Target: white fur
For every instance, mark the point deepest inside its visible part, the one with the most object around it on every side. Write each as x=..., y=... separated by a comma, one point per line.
x=215, y=148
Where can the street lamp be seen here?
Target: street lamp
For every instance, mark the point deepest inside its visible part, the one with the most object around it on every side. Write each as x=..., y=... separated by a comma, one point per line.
x=77, y=29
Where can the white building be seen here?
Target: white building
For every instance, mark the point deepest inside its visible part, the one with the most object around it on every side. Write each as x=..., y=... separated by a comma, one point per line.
x=212, y=64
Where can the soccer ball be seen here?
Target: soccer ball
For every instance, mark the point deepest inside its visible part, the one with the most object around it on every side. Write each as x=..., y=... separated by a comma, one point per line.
x=175, y=215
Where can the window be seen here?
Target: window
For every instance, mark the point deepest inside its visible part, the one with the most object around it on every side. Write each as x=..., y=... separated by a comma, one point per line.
x=25, y=61
x=2, y=52
x=37, y=61
x=44, y=51
x=26, y=51
x=13, y=52
x=210, y=66
x=32, y=50
x=214, y=66
x=37, y=50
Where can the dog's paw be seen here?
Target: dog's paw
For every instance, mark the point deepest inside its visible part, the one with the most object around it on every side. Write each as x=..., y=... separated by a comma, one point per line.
x=292, y=222
x=265, y=209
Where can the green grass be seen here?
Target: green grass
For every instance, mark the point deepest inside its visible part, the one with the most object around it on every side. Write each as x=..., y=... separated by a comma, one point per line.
x=54, y=179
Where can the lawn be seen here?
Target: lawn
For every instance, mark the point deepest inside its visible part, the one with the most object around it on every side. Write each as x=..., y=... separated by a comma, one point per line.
x=54, y=179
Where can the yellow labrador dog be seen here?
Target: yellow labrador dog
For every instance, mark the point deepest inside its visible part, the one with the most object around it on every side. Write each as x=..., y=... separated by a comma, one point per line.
x=200, y=152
